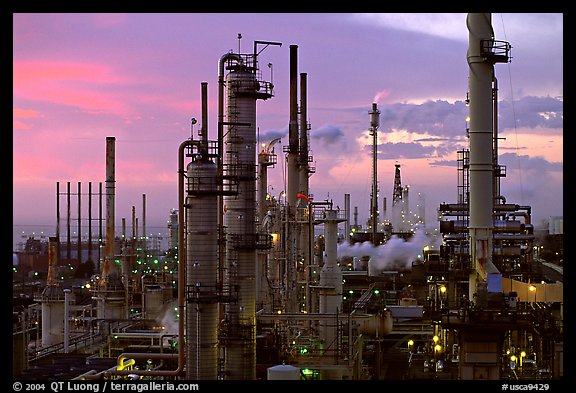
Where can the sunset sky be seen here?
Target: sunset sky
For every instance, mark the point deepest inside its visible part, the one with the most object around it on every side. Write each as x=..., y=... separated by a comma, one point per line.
x=81, y=77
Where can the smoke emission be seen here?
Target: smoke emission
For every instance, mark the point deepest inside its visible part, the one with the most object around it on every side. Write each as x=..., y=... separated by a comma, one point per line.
x=395, y=254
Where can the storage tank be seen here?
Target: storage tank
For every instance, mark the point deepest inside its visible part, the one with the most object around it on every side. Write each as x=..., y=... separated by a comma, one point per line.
x=283, y=372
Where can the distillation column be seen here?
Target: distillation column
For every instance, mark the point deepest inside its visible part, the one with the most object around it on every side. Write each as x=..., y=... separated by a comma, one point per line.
x=330, y=280
x=243, y=89
x=202, y=260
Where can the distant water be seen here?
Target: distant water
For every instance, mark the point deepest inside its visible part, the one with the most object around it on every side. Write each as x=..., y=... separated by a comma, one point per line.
x=21, y=232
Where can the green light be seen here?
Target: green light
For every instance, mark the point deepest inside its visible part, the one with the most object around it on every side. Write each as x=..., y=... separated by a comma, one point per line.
x=307, y=371
x=350, y=291
x=376, y=292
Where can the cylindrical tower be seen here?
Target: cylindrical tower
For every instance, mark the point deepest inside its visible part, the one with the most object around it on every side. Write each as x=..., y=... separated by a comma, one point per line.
x=330, y=280
x=52, y=301
x=293, y=187
x=374, y=124
x=481, y=148
x=266, y=158
x=243, y=89
x=202, y=271
x=109, y=292
x=173, y=229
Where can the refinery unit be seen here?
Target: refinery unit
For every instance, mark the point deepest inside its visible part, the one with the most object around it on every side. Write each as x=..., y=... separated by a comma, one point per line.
x=255, y=287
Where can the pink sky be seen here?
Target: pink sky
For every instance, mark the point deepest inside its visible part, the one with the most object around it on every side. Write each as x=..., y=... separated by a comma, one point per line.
x=78, y=78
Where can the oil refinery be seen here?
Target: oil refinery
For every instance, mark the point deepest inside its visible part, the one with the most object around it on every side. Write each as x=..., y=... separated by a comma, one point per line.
x=253, y=286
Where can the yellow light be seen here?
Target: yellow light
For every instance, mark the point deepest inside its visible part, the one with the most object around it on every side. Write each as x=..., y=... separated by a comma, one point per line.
x=513, y=358
x=532, y=288
x=279, y=312
x=435, y=339
x=443, y=289
x=410, y=343
x=275, y=237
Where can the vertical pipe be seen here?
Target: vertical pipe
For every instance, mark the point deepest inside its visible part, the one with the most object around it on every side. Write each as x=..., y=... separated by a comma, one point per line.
x=204, y=144
x=100, y=235
x=262, y=298
x=126, y=270
x=293, y=185
x=495, y=136
x=374, y=124
x=90, y=221
x=303, y=231
x=144, y=236
x=384, y=217
x=58, y=215
x=58, y=209
x=79, y=245
x=304, y=172
x=110, y=219
x=68, y=250
x=66, y=319
x=481, y=145
x=293, y=178
x=347, y=222
x=134, y=232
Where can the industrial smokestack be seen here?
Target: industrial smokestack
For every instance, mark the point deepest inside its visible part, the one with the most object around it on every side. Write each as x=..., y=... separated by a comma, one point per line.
x=293, y=185
x=374, y=124
x=52, y=300
x=481, y=148
x=110, y=294
x=204, y=132
x=110, y=210
x=304, y=170
x=293, y=142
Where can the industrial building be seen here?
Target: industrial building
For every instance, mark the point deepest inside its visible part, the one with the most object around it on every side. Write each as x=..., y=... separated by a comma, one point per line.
x=254, y=287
